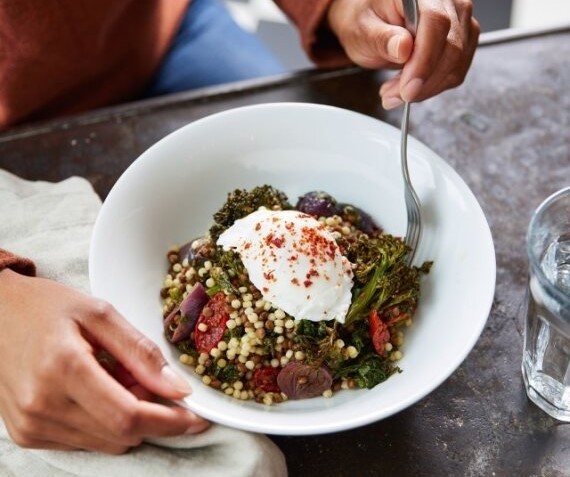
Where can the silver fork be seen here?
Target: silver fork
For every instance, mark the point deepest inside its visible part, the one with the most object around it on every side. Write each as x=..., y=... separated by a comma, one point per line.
x=413, y=206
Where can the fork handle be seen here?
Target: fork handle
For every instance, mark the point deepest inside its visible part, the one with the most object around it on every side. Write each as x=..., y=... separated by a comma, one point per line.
x=404, y=142
x=411, y=14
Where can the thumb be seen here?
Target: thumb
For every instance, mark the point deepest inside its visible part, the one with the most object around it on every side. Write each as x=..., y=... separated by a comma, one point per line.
x=137, y=353
x=393, y=43
x=370, y=32
x=380, y=45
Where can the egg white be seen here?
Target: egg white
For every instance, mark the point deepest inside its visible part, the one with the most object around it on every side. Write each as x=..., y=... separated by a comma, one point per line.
x=294, y=261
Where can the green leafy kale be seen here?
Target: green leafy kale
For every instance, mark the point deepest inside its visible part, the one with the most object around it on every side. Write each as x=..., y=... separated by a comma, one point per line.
x=368, y=371
x=316, y=339
x=382, y=277
x=176, y=294
x=314, y=330
x=236, y=332
x=187, y=346
x=241, y=202
x=227, y=374
x=229, y=262
x=357, y=334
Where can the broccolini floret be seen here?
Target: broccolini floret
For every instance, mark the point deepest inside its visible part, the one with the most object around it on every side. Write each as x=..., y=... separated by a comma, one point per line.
x=383, y=280
x=241, y=203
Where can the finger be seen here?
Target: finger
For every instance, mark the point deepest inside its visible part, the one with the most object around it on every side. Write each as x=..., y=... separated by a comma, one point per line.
x=464, y=12
x=65, y=437
x=25, y=440
x=40, y=444
x=389, y=45
x=34, y=409
x=454, y=62
x=390, y=93
x=431, y=38
x=452, y=69
x=381, y=45
x=474, y=32
x=141, y=393
x=372, y=35
x=77, y=418
x=51, y=434
x=76, y=438
x=120, y=411
x=138, y=354
x=123, y=376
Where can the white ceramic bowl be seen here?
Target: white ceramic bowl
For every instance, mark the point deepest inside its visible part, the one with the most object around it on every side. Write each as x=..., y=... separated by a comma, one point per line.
x=168, y=195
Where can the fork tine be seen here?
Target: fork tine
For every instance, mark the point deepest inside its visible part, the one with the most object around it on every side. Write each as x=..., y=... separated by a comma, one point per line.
x=413, y=231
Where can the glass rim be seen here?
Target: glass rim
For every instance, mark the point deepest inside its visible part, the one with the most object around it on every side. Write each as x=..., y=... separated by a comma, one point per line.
x=552, y=289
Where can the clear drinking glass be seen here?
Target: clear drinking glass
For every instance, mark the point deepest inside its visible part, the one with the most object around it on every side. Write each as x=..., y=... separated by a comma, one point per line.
x=546, y=354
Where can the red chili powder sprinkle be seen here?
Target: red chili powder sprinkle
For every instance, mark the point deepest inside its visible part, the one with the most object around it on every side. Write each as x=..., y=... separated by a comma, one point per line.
x=312, y=273
x=278, y=241
x=313, y=244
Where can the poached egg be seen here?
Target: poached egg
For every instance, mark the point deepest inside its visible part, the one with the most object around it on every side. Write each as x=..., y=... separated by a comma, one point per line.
x=294, y=261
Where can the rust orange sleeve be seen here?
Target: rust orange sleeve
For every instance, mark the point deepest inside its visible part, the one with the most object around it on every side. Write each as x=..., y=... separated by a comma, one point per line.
x=60, y=57
x=18, y=264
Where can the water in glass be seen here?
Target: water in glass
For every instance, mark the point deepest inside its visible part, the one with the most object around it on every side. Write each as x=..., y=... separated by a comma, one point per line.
x=546, y=360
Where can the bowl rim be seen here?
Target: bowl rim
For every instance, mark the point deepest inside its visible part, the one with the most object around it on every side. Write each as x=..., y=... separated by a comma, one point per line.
x=245, y=422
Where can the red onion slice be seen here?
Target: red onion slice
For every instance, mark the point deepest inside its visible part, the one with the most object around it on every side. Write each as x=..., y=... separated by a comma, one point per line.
x=186, y=314
x=301, y=381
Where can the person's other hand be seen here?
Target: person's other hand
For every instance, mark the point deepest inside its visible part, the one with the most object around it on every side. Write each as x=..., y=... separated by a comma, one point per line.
x=372, y=34
x=54, y=394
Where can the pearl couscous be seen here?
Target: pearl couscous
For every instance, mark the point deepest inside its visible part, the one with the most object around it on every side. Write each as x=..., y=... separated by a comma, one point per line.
x=249, y=348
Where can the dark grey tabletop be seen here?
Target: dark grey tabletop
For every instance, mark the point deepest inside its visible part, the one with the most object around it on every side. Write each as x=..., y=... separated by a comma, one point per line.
x=506, y=132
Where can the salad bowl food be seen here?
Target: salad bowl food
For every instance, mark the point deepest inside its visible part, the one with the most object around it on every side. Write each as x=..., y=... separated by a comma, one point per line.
x=169, y=195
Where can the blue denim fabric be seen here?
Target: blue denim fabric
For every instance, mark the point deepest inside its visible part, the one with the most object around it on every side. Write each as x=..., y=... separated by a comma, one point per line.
x=209, y=49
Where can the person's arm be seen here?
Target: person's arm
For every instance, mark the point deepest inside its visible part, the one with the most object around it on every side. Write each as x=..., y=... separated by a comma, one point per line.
x=317, y=39
x=63, y=57
x=55, y=393
x=371, y=34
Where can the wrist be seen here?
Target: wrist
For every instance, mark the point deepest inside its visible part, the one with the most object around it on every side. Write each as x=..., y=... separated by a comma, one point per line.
x=326, y=49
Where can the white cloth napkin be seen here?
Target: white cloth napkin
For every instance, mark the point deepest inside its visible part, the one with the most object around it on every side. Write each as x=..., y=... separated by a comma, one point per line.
x=51, y=223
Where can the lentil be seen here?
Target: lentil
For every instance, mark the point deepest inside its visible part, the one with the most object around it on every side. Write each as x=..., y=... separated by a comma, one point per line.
x=257, y=334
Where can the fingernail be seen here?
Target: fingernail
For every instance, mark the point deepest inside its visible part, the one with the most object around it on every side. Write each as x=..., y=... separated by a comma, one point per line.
x=199, y=425
x=176, y=381
x=412, y=89
x=391, y=103
x=394, y=47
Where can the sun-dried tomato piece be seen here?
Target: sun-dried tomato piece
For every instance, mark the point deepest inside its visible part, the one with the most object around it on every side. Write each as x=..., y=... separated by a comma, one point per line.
x=379, y=333
x=266, y=379
x=215, y=322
